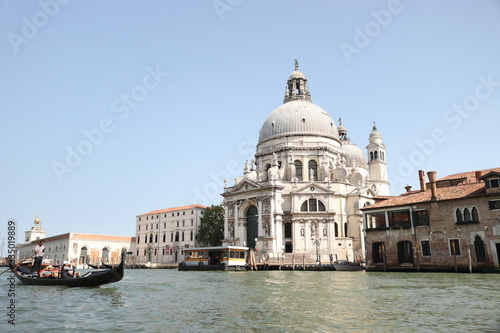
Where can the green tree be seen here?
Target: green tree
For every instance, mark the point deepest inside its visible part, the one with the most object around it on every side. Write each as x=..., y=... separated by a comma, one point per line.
x=211, y=230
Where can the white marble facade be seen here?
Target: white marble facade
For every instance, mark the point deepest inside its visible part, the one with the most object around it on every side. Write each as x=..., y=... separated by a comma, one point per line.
x=302, y=192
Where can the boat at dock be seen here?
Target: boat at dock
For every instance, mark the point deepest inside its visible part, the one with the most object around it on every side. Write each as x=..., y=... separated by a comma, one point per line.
x=344, y=265
x=215, y=258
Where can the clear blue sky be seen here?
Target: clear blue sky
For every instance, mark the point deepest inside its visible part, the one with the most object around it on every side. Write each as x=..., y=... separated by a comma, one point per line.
x=165, y=99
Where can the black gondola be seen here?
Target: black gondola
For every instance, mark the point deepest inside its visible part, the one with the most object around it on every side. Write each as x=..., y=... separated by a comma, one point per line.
x=89, y=279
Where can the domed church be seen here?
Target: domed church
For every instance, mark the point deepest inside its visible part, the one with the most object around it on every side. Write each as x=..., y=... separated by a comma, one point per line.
x=302, y=193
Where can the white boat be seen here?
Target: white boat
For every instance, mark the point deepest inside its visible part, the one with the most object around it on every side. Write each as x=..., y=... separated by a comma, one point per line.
x=344, y=265
x=221, y=258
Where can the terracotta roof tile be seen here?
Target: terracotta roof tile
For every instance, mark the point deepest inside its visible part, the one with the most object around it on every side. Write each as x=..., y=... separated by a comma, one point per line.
x=442, y=193
x=173, y=209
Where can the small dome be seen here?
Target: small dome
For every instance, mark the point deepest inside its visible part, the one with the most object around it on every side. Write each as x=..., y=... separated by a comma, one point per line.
x=299, y=117
x=354, y=155
x=375, y=136
x=297, y=75
x=37, y=220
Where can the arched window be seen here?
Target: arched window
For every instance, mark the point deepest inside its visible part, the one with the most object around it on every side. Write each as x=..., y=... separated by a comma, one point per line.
x=371, y=156
x=475, y=214
x=467, y=216
x=345, y=229
x=375, y=155
x=458, y=214
x=191, y=236
x=298, y=169
x=105, y=255
x=336, y=226
x=164, y=238
x=151, y=238
x=312, y=205
x=176, y=236
x=183, y=236
x=138, y=239
x=382, y=157
x=312, y=165
x=156, y=238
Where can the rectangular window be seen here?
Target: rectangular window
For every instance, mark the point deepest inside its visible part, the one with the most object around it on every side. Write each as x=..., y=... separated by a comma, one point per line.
x=378, y=253
x=399, y=219
x=494, y=204
x=455, y=247
x=375, y=220
x=420, y=218
x=426, y=248
x=491, y=183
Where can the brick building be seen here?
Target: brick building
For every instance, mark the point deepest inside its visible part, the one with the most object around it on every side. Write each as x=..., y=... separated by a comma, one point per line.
x=449, y=224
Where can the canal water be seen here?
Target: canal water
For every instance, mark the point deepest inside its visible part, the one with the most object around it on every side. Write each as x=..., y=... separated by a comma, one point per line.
x=268, y=301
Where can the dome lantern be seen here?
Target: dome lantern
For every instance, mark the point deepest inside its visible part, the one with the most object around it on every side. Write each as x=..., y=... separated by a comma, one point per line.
x=297, y=88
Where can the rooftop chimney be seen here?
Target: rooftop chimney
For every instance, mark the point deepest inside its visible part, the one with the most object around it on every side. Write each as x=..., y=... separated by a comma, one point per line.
x=421, y=176
x=408, y=188
x=432, y=180
x=479, y=174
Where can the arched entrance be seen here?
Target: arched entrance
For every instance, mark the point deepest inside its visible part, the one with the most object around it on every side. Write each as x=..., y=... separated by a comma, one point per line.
x=480, y=250
x=83, y=255
x=252, y=226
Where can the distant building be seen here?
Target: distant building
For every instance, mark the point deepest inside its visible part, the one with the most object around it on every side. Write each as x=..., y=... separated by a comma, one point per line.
x=77, y=248
x=452, y=223
x=162, y=235
x=300, y=197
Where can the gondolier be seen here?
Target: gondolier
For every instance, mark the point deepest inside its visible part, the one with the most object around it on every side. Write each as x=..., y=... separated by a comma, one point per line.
x=39, y=251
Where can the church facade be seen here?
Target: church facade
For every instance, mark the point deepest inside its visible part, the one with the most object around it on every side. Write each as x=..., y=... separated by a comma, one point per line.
x=301, y=195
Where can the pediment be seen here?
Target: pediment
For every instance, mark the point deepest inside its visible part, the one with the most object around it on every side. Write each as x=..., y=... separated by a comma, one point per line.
x=245, y=185
x=312, y=188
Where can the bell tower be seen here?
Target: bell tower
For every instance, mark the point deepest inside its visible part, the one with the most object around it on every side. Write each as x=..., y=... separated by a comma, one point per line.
x=377, y=163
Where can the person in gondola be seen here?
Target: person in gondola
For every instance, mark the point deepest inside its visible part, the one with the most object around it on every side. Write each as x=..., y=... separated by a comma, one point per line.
x=39, y=251
x=66, y=271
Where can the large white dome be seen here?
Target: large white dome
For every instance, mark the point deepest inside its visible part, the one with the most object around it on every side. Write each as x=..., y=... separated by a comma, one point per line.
x=298, y=117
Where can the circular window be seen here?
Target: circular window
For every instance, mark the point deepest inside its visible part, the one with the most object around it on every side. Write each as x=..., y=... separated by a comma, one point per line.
x=312, y=188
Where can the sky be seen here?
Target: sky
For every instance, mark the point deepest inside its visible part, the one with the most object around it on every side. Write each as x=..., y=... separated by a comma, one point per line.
x=112, y=109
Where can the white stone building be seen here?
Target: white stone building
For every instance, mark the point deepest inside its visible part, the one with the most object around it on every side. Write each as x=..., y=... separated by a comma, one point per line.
x=162, y=235
x=77, y=248
x=302, y=193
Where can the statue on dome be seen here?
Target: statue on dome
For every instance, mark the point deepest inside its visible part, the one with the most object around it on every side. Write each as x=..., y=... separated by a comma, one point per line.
x=296, y=65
